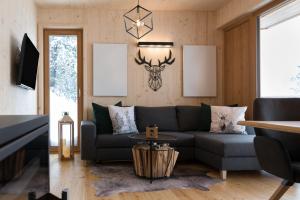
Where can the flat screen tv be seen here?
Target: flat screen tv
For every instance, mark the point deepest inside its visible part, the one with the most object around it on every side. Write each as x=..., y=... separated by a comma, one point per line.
x=27, y=68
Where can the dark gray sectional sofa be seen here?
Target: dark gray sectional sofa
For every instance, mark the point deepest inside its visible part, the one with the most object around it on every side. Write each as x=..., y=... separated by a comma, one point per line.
x=221, y=151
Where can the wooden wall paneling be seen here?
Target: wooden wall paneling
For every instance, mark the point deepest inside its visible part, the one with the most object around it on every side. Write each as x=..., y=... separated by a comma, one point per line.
x=181, y=27
x=240, y=59
x=253, y=63
x=238, y=69
x=244, y=79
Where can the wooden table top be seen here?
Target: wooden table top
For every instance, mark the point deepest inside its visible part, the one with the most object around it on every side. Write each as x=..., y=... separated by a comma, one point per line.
x=285, y=126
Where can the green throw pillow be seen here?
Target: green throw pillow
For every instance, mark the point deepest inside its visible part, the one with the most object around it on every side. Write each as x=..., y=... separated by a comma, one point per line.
x=102, y=118
x=205, y=116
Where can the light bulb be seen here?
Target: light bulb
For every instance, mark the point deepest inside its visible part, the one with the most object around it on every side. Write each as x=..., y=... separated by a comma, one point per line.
x=139, y=23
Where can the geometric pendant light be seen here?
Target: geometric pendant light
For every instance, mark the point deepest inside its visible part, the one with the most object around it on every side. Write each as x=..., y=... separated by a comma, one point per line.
x=138, y=21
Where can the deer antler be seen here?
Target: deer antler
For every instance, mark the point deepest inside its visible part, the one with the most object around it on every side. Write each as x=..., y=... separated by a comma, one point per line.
x=155, y=80
x=167, y=61
x=142, y=61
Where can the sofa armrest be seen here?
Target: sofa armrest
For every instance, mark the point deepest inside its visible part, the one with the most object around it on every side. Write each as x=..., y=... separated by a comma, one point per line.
x=88, y=140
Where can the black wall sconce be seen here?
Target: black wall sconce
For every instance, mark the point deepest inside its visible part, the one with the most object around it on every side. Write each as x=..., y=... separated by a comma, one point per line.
x=155, y=80
x=156, y=44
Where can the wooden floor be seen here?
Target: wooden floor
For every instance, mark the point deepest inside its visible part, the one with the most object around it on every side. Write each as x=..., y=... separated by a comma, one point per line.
x=75, y=176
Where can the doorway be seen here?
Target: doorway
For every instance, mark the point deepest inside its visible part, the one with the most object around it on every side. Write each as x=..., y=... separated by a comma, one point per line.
x=63, y=80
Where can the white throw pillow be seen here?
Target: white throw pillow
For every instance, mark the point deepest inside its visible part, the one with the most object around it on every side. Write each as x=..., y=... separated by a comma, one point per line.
x=224, y=119
x=122, y=119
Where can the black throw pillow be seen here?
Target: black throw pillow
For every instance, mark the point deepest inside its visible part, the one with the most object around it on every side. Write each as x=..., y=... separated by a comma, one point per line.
x=102, y=118
x=205, y=116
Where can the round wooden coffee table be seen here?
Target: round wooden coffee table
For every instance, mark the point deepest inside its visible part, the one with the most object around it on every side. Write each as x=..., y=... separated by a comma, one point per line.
x=152, y=160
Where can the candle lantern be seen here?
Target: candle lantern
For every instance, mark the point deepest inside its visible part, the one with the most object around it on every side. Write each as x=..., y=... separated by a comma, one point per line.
x=66, y=137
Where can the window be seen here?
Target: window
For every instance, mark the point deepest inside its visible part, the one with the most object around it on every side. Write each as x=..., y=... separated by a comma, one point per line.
x=279, y=63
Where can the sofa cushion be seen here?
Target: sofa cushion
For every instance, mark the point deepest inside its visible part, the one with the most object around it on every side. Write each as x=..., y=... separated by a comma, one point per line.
x=182, y=139
x=122, y=141
x=123, y=120
x=226, y=145
x=163, y=117
x=113, y=141
x=188, y=117
x=249, y=131
x=102, y=118
x=225, y=119
x=205, y=116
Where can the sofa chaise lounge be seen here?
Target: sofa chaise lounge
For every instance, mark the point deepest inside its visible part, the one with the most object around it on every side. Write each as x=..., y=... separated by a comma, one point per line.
x=222, y=151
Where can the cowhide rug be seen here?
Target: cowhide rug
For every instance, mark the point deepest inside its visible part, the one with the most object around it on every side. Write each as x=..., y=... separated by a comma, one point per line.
x=116, y=178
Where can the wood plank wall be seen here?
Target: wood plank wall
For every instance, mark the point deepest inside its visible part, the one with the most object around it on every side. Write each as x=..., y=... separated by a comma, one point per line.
x=106, y=26
x=240, y=60
x=239, y=74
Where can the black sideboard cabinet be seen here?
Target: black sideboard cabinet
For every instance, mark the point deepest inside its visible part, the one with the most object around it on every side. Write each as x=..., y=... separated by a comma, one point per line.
x=24, y=156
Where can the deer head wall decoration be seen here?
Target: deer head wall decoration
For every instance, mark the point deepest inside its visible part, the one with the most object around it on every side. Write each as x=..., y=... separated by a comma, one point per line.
x=155, y=80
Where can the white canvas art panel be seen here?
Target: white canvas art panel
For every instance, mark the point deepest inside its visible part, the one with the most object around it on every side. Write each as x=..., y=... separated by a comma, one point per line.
x=199, y=71
x=109, y=69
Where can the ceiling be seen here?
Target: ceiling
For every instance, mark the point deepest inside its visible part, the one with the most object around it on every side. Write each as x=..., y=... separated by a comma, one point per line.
x=127, y=4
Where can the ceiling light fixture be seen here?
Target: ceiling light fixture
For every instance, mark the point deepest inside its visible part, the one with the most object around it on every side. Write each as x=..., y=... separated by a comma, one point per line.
x=138, y=21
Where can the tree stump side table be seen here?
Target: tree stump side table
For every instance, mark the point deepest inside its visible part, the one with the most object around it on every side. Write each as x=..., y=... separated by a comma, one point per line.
x=163, y=161
x=151, y=160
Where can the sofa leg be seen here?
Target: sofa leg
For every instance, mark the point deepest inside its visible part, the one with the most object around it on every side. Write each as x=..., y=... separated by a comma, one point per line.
x=223, y=174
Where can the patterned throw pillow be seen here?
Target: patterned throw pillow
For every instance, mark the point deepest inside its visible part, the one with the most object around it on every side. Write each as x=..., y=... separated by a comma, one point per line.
x=224, y=119
x=205, y=116
x=122, y=119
